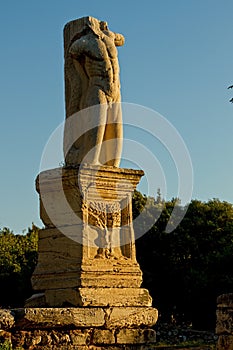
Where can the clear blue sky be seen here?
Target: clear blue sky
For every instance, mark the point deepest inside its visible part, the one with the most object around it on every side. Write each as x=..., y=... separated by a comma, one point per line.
x=177, y=60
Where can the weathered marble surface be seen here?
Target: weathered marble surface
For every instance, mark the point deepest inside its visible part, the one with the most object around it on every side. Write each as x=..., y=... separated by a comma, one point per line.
x=92, y=79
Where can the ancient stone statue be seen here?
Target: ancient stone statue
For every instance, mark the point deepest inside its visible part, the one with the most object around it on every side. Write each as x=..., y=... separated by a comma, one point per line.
x=94, y=134
x=87, y=281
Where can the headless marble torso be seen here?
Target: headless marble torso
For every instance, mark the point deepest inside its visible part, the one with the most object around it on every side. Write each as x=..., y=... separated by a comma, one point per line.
x=95, y=59
x=100, y=64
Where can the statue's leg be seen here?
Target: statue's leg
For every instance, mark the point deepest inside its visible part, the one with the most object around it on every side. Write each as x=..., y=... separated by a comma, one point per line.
x=118, y=134
x=96, y=121
x=114, y=135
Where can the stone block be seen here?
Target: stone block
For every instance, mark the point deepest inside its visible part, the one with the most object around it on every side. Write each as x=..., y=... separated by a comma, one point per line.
x=109, y=182
x=64, y=262
x=224, y=325
x=132, y=317
x=63, y=239
x=135, y=336
x=57, y=262
x=224, y=321
x=59, y=259
x=60, y=198
x=114, y=297
x=114, y=273
x=225, y=300
x=56, y=209
x=225, y=342
x=55, y=281
x=7, y=319
x=62, y=297
x=42, y=318
x=79, y=337
x=103, y=336
x=109, y=280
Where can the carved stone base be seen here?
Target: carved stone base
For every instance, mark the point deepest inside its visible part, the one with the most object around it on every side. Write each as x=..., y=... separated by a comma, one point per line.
x=79, y=328
x=86, y=252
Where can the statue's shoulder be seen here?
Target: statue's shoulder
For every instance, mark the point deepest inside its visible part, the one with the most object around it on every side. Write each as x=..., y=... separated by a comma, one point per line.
x=95, y=46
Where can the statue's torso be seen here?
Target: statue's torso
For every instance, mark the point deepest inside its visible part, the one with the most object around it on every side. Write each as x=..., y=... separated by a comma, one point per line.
x=100, y=62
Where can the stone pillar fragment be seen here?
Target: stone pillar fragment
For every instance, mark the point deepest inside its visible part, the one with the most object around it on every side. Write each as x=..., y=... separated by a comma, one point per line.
x=224, y=326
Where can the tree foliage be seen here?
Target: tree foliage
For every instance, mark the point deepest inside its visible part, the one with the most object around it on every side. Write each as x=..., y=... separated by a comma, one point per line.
x=18, y=255
x=186, y=269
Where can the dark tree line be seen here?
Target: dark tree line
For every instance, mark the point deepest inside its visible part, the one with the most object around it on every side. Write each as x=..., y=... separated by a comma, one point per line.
x=187, y=269
x=18, y=256
x=184, y=270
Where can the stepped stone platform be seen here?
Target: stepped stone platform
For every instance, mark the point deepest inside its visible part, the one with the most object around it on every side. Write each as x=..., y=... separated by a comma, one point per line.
x=79, y=328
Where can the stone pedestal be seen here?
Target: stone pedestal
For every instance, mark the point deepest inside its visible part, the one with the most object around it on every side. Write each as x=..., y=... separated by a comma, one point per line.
x=87, y=249
x=87, y=254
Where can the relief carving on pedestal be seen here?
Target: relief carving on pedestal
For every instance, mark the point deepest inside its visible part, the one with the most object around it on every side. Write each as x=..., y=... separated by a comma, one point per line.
x=105, y=218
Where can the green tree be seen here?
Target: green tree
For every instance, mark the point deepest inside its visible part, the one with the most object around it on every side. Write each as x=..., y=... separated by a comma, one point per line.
x=18, y=256
x=186, y=269
x=207, y=236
